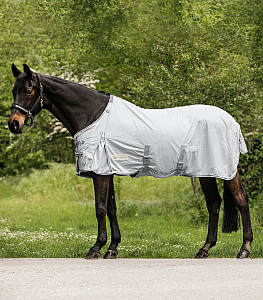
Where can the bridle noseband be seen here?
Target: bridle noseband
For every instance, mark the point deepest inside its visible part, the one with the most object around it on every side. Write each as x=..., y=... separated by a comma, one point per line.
x=30, y=112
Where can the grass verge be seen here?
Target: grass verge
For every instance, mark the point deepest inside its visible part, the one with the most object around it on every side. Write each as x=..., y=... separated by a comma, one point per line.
x=51, y=214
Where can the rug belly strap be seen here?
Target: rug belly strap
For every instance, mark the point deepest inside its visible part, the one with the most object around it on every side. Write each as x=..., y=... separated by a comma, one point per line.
x=146, y=156
x=180, y=164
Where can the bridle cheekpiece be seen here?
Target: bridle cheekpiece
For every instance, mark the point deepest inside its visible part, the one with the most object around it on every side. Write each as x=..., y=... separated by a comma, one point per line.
x=30, y=112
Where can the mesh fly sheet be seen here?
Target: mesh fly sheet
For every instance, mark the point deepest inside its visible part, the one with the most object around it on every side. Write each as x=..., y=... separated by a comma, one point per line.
x=196, y=141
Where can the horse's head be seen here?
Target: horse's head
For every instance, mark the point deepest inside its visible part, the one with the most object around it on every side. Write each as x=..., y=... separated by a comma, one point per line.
x=28, y=99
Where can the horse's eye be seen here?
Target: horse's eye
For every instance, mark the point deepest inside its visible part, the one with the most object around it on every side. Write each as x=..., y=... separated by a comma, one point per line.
x=29, y=87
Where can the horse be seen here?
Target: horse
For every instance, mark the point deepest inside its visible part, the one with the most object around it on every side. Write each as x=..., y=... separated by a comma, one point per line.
x=78, y=107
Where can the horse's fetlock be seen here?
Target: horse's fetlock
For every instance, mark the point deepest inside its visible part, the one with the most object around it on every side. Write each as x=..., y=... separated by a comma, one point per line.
x=116, y=239
x=213, y=244
x=248, y=238
x=102, y=241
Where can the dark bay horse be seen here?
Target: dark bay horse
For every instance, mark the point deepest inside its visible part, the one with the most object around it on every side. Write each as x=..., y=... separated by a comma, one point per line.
x=77, y=107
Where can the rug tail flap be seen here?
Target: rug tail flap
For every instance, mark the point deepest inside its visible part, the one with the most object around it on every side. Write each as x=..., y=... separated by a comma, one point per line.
x=242, y=144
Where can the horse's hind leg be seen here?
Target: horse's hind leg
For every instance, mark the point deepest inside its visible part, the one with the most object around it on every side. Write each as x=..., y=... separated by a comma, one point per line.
x=241, y=199
x=213, y=202
x=101, y=187
x=112, y=251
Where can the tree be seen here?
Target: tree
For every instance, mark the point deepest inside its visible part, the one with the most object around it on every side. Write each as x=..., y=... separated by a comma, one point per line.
x=156, y=54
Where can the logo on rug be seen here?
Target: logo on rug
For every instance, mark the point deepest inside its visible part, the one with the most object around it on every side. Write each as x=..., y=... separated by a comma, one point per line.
x=122, y=157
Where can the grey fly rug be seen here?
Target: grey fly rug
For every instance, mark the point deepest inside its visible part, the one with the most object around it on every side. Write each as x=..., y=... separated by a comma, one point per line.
x=196, y=141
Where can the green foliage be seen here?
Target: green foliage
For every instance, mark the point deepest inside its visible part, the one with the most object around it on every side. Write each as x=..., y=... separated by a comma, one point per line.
x=157, y=54
x=252, y=166
x=27, y=38
x=174, y=53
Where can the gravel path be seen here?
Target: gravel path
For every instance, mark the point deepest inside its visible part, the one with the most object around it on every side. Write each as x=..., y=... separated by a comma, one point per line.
x=131, y=279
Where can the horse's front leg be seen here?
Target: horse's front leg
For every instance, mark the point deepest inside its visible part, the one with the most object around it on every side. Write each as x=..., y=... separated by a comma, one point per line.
x=112, y=251
x=101, y=187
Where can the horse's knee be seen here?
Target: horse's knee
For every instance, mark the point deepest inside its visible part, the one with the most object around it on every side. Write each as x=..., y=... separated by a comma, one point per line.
x=111, y=213
x=101, y=212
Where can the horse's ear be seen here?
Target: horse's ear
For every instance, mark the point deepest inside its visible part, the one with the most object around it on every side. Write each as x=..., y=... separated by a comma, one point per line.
x=15, y=71
x=28, y=71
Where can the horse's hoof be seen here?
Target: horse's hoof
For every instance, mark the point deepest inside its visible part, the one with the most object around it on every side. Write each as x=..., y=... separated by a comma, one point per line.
x=92, y=254
x=202, y=254
x=111, y=254
x=243, y=254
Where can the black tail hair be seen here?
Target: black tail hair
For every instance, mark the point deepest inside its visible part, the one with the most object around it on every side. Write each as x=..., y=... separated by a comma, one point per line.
x=231, y=216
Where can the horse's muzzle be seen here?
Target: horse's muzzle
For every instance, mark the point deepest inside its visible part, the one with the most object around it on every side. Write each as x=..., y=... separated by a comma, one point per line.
x=16, y=123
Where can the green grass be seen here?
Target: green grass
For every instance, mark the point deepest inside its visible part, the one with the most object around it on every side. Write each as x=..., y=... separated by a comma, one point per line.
x=51, y=214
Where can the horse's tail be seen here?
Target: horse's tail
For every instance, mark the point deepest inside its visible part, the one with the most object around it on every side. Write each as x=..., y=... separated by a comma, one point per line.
x=231, y=216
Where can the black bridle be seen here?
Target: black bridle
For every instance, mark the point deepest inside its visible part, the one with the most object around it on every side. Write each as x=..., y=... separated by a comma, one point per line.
x=30, y=112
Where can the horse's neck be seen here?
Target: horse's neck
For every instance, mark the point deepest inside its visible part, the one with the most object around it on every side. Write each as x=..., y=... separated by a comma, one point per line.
x=75, y=106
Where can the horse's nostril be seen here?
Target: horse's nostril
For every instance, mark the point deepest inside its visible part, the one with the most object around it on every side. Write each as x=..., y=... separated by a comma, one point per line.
x=16, y=125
